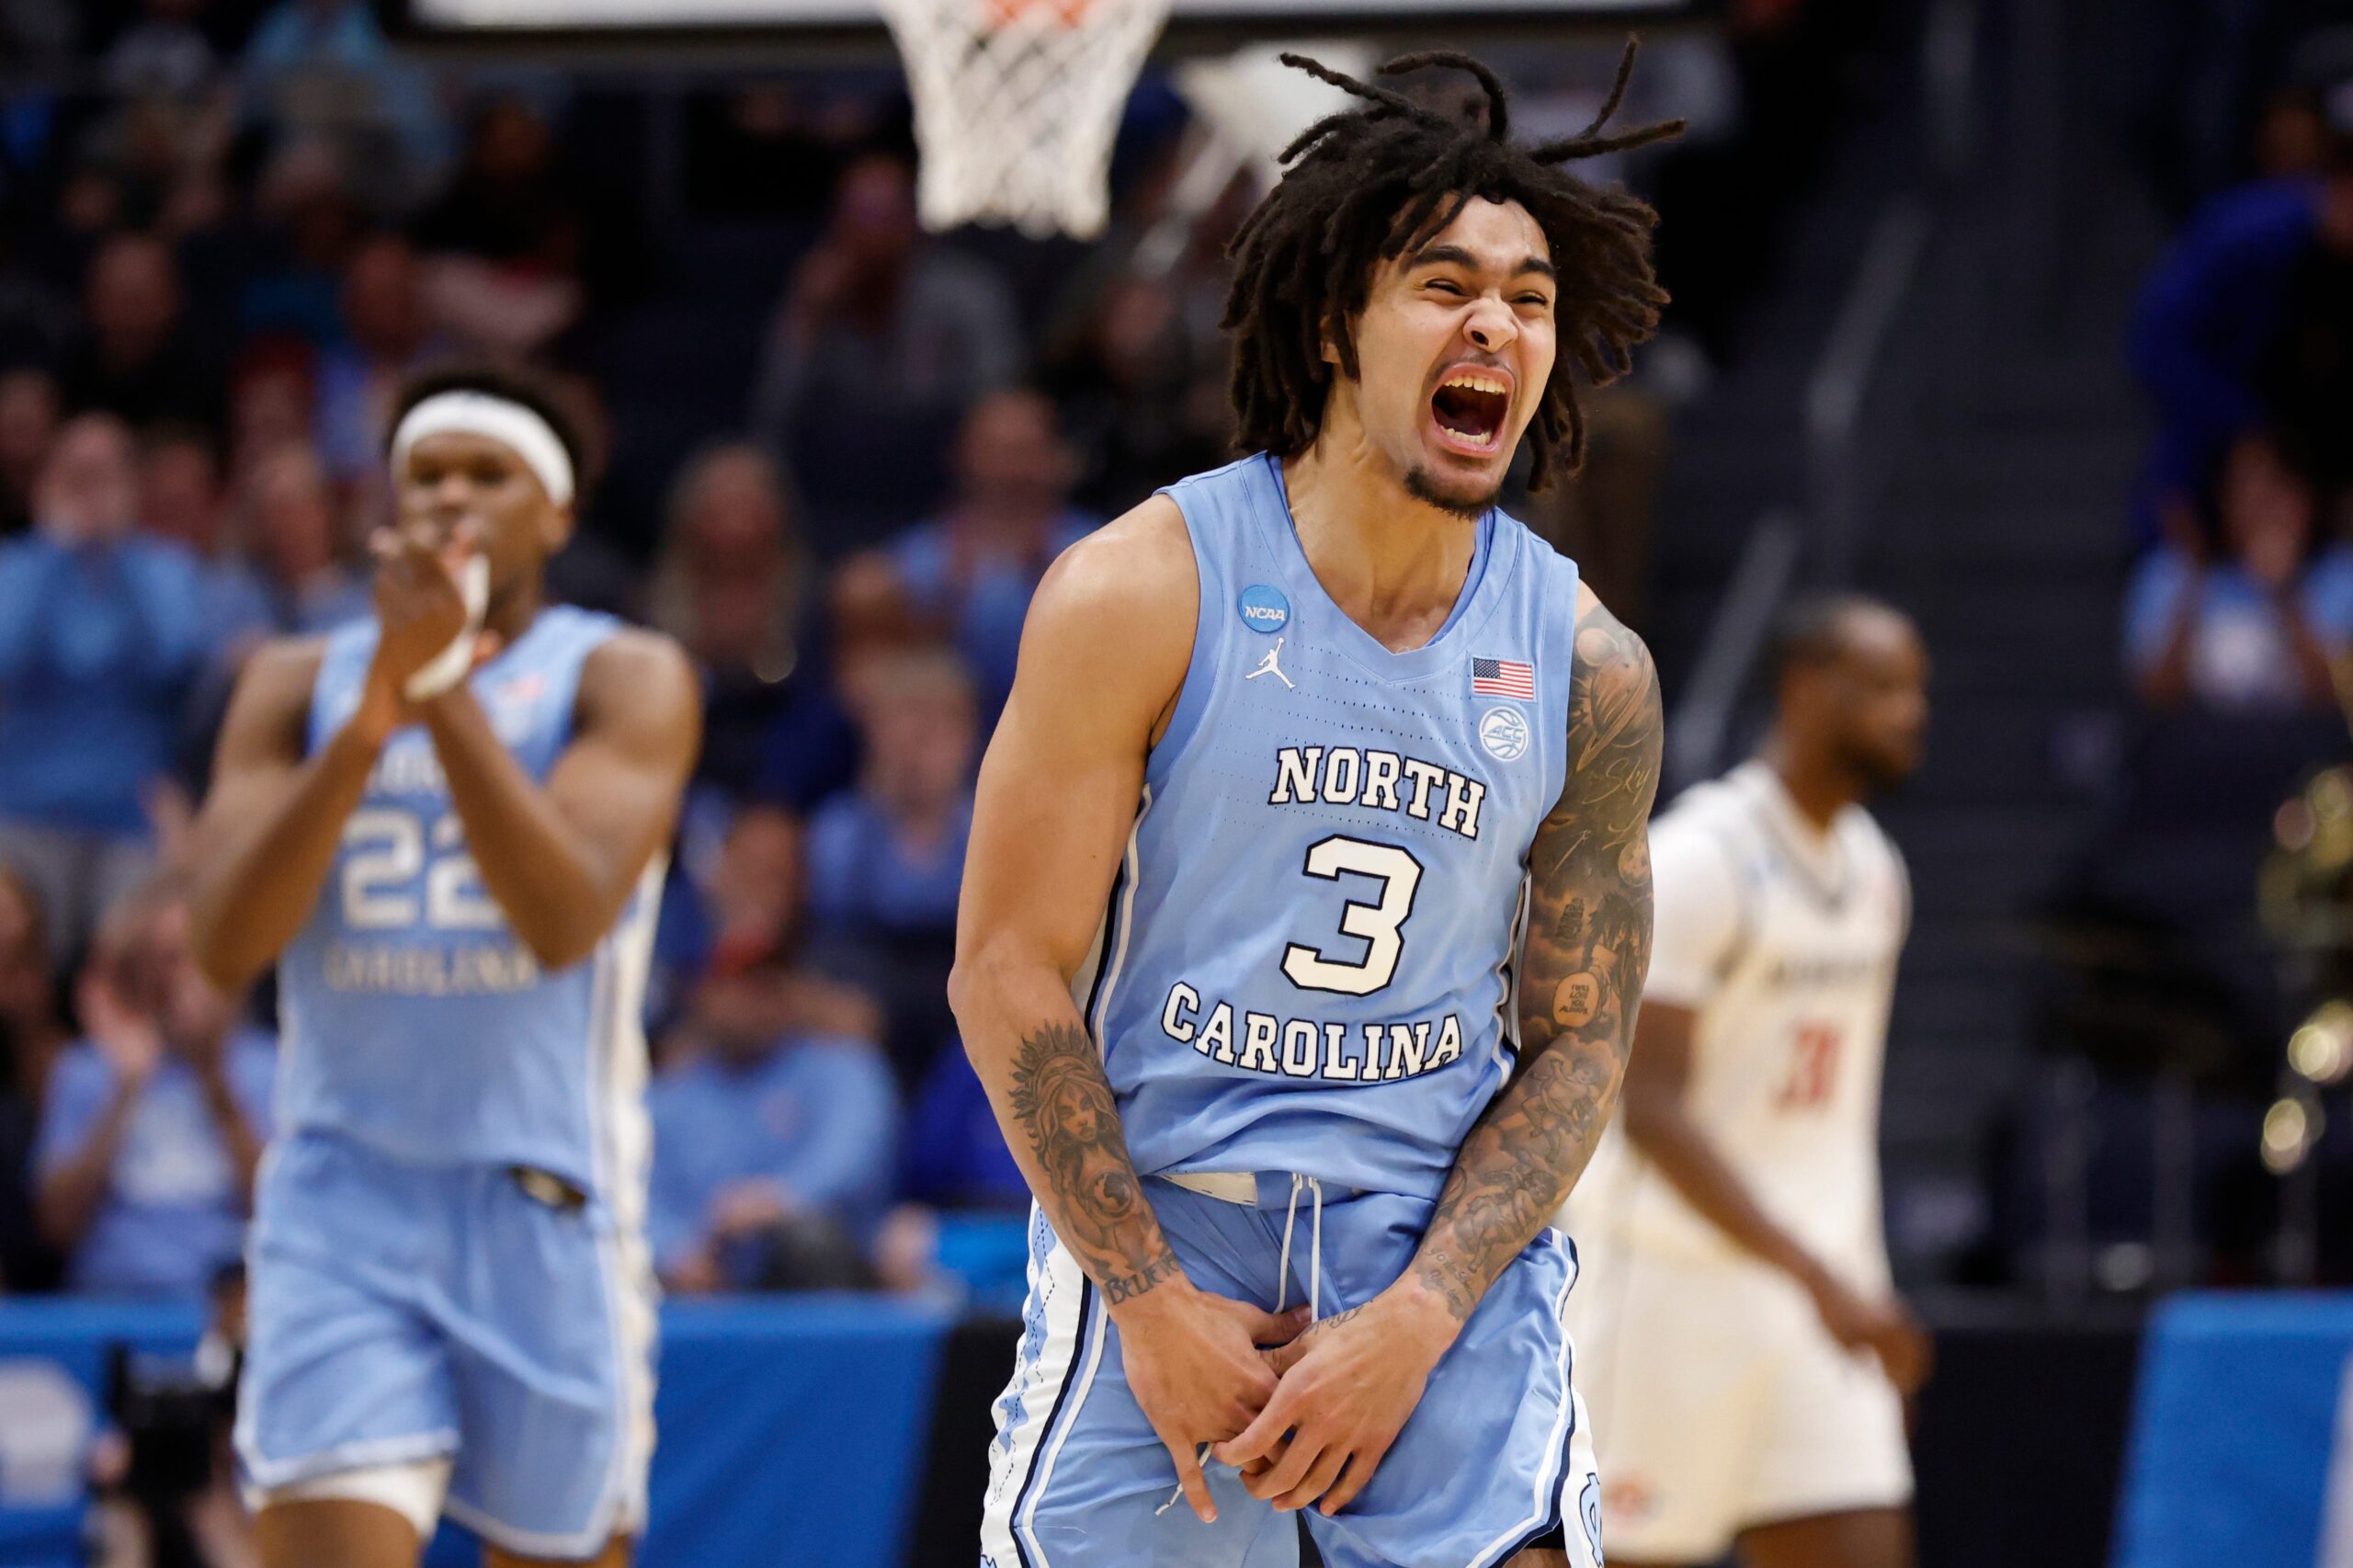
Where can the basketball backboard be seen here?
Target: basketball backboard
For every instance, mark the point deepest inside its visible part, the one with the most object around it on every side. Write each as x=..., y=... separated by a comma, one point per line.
x=1192, y=24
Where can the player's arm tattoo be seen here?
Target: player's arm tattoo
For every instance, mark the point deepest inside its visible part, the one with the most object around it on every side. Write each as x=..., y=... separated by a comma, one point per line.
x=1095, y=1199
x=1588, y=951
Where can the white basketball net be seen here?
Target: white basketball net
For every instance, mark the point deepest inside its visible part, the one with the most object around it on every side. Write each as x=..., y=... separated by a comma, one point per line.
x=1017, y=102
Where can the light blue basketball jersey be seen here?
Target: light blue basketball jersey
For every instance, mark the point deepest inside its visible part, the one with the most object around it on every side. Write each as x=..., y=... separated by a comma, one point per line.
x=413, y=1020
x=1307, y=963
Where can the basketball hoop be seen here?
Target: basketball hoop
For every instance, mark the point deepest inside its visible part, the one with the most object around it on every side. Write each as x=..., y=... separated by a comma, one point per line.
x=1017, y=102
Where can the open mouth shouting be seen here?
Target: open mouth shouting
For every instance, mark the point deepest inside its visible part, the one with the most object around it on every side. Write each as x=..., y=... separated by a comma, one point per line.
x=1470, y=408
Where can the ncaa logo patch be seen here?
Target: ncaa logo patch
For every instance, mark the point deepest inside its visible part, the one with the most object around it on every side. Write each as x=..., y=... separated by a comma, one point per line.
x=1263, y=609
x=1504, y=733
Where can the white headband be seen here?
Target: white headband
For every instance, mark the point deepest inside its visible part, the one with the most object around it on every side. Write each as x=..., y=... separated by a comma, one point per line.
x=502, y=420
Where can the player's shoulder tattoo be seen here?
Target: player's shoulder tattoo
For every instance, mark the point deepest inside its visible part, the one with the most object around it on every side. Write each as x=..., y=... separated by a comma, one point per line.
x=1590, y=870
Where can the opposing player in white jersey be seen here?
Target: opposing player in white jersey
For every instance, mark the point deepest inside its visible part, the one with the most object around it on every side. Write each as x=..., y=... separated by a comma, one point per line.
x=444, y=824
x=1744, y=1358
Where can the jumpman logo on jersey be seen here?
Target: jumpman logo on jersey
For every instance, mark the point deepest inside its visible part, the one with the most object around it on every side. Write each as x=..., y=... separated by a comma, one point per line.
x=1267, y=666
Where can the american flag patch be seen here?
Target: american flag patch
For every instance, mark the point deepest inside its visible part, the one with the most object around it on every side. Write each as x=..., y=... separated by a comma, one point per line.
x=1502, y=677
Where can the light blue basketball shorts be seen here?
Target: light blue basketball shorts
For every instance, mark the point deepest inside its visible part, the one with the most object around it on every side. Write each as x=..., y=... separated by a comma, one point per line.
x=402, y=1312
x=1495, y=1458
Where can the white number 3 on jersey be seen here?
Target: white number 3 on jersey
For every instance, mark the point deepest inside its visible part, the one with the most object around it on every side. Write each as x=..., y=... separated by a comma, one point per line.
x=1380, y=923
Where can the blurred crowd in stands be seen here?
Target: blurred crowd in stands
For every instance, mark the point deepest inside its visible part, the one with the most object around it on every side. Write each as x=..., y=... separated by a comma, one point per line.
x=842, y=454
x=2200, y=925
x=2243, y=595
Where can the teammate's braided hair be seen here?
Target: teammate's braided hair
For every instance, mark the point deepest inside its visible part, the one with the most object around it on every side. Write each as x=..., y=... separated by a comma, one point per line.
x=1363, y=185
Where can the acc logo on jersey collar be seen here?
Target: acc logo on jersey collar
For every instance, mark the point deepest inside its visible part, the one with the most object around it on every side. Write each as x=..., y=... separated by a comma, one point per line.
x=1263, y=609
x=1503, y=733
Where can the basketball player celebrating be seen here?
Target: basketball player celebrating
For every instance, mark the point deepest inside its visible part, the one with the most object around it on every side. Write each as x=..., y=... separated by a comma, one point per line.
x=446, y=826
x=1744, y=1358
x=1295, y=751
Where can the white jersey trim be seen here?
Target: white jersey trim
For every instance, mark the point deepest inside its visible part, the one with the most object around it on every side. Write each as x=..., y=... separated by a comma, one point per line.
x=1032, y=1401
x=623, y=1136
x=367, y=1454
x=1096, y=1334
x=1549, y=1485
x=1122, y=917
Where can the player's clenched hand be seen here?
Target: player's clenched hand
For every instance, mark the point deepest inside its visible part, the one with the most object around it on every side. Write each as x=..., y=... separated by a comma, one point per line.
x=1883, y=1327
x=1903, y=1347
x=1193, y=1364
x=1349, y=1383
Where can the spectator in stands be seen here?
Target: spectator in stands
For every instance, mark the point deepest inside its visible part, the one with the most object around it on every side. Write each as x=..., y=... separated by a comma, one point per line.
x=886, y=859
x=305, y=221
x=154, y=1123
x=270, y=402
x=522, y=248
x=384, y=337
x=956, y=1152
x=965, y=579
x=735, y=585
x=28, y=415
x=1141, y=397
x=754, y=901
x=164, y=1483
x=295, y=539
x=775, y=1135
x=882, y=339
x=738, y=898
x=325, y=65
x=133, y=359
x=180, y=495
x=2243, y=615
x=163, y=53
x=181, y=498
x=101, y=633
x=2212, y=340
x=31, y=1039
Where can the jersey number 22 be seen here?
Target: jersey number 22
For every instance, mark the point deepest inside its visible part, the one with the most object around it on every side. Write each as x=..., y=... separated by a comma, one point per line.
x=387, y=850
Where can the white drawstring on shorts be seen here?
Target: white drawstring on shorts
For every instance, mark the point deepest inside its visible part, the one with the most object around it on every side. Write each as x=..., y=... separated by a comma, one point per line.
x=1314, y=1189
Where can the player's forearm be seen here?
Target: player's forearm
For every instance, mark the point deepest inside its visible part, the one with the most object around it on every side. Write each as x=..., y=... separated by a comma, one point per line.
x=1045, y=1080
x=255, y=883
x=551, y=886
x=1517, y=1168
x=1670, y=1140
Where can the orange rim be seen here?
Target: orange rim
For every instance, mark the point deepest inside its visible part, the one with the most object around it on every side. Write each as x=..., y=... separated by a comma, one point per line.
x=1069, y=13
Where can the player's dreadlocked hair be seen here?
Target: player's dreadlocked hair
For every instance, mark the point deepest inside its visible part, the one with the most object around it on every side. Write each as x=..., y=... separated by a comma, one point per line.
x=1364, y=186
